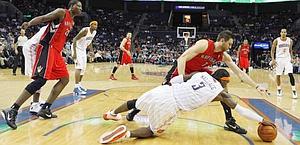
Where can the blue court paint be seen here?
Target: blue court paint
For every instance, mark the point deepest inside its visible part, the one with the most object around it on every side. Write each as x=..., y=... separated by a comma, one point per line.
x=288, y=124
x=63, y=101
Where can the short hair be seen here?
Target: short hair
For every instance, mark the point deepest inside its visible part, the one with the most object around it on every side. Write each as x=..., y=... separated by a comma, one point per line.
x=226, y=34
x=218, y=74
x=72, y=2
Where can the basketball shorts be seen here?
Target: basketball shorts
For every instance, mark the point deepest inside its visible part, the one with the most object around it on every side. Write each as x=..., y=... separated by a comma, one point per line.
x=49, y=63
x=243, y=62
x=160, y=107
x=124, y=58
x=81, y=60
x=29, y=51
x=284, y=66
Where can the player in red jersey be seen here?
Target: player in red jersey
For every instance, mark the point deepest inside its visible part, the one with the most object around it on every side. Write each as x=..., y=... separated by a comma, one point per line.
x=243, y=56
x=49, y=64
x=124, y=57
x=198, y=58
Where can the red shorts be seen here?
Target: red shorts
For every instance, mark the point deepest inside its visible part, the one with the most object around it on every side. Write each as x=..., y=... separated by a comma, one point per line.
x=244, y=63
x=49, y=63
x=124, y=58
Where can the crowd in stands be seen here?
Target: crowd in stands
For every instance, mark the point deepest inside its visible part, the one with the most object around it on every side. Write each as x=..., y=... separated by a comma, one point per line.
x=154, y=41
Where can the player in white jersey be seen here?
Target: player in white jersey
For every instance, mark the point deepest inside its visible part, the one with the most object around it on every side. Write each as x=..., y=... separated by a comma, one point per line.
x=283, y=61
x=161, y=104
x=29, y=50
x=81, y=42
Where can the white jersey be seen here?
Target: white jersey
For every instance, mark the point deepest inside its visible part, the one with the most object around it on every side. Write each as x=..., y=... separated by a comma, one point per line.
x=283, y=48
x=35, y=39
x=198, y=91
x=85, y=41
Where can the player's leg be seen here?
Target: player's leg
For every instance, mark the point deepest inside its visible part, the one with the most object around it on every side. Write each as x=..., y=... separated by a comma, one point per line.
x=226, y=98
x=133, y=77
x=10, y=115
x=230, y=123
x=22, y=62
x=119, y=60
x=279, y=72
x=115, y=114
x=56, y=90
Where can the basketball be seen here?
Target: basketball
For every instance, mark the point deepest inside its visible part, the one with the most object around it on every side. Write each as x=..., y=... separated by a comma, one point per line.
x=267, y=131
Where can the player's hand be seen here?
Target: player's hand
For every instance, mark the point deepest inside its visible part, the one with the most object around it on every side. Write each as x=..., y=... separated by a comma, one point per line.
x=128, y=52
x=273, y=63
x=263, y=90
x=25, y=25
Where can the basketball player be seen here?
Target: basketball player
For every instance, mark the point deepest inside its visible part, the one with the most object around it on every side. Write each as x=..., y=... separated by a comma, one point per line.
x=198, y=58
x=243, y=56
x=29, y=50
x=284, y=57
x=124, y=57
x=81, y=42
x=19, y=53
x=162, y=104
x=49, y=64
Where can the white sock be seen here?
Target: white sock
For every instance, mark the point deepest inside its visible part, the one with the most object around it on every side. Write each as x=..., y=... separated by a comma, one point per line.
x=278, y=87
x=127, y=134
x=248, y=113
x=77, y=85
x=294, y=88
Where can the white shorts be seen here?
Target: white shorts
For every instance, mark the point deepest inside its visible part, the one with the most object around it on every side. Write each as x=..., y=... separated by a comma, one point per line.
x=29, y=51
x=284, y=66
x=81, y=61
x=160, y=107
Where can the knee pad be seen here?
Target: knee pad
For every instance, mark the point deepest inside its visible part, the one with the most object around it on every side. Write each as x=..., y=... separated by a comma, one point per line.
x=35, y=85
x=131, y=104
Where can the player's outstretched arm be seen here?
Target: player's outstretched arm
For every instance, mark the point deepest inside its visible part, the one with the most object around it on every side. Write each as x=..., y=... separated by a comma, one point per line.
x=58, y=13
x=227, y=99
x=190, y=53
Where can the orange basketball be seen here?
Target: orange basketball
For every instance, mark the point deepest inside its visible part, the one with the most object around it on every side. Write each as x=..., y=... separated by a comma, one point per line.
x=267, y=131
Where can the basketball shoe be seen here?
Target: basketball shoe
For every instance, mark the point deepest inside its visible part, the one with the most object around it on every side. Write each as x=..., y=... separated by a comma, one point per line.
x=231, y=125
x=116, y=135
x=109, y=116
x=10, y=116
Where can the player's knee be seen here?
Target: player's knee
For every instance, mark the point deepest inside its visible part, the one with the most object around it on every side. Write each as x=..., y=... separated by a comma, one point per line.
x=35, y=85
x=64, y=80
x=131, y=104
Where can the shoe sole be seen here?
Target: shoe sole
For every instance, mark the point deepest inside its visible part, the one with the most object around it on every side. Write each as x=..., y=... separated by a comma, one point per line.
x=106, y=118
x=229, y=129
x=114, y=135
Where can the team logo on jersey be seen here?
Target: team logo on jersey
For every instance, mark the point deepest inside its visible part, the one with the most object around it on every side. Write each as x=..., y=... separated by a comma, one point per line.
x=283, y=45
x=209, y=58
x=39, y=69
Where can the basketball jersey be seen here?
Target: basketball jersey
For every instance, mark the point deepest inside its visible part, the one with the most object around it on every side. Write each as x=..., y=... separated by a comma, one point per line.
x=203, y=60
x=57, y=36
x=37, y=37
x=198, y=91
x=244, y=51
x=283, y=48
x=128, y=44
x=85, y=41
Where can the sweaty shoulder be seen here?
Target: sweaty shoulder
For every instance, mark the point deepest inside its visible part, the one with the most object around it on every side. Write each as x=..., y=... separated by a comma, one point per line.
x=61, y=12
x=202, y=45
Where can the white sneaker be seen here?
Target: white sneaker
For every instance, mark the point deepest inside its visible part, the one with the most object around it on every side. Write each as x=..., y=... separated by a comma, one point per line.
x=279, y=93
x=295, y=96
x=35, y=107
x=109, y=116
x=118, y=134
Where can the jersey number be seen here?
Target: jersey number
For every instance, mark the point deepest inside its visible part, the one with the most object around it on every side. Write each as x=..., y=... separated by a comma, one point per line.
x=198, y=86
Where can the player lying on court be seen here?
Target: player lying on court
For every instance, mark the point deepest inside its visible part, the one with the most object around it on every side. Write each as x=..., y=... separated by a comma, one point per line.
x=161, y=104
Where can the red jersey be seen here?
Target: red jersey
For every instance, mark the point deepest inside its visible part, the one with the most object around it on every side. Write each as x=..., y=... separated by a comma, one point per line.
x=57, y=36
x=128, y=44
x=244, y=51
x=202, y=60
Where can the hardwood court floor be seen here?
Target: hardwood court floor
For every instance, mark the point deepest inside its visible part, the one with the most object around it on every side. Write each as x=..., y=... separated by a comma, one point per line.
x=82, y=123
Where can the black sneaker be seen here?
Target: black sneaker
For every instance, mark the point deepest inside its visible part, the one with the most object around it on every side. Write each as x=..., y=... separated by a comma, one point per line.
x=10, y=117
x=131, y=114
x=232, y=126
x=46, y=114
